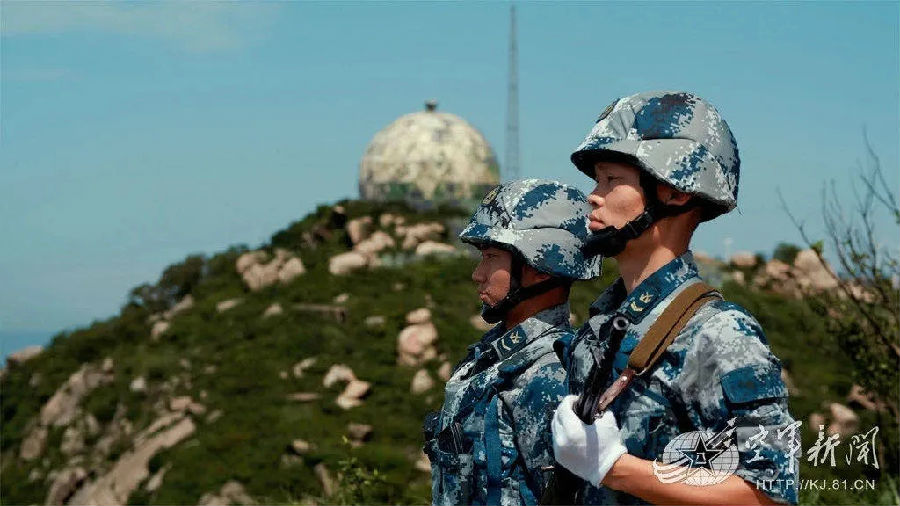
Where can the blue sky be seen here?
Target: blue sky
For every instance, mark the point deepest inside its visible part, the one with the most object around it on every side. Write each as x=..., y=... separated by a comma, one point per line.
x=135, y=134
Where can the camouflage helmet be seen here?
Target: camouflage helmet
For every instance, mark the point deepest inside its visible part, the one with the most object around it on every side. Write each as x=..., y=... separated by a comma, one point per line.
x=545, y=221
x=678, y=137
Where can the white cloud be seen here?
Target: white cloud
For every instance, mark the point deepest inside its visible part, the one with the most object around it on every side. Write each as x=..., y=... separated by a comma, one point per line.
x=195, y=26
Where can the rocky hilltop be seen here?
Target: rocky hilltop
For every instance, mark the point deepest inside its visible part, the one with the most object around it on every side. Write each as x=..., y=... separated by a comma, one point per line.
x=299, y=372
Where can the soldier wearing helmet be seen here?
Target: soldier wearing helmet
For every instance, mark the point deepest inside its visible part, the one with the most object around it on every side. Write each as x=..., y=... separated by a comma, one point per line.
x=490, y=443
x=664, y=162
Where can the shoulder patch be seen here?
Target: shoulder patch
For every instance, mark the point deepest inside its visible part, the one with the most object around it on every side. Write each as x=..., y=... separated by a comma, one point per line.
x=753, y=383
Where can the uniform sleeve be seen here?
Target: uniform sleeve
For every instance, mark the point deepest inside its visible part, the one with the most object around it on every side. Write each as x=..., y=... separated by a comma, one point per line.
x=525, y=430
x=730, y=374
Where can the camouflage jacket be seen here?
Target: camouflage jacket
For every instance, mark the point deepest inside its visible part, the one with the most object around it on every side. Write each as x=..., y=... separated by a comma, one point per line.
x=719, y=367
x=490, y=443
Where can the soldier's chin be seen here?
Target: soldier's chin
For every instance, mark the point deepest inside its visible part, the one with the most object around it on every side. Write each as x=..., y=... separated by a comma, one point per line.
x=595, y=226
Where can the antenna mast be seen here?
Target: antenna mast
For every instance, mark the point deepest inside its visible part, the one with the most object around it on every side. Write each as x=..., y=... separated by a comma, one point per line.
x=512, y=106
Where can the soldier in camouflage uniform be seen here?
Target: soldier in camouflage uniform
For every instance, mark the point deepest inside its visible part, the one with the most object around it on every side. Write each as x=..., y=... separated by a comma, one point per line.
x=664, y=162
x=490, y=443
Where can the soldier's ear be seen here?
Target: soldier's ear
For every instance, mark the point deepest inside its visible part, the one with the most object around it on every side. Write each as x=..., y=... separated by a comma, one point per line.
x=672, y=197
x=530, y=275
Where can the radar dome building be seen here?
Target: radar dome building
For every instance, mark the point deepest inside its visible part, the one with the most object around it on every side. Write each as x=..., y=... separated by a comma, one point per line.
x=428, y=158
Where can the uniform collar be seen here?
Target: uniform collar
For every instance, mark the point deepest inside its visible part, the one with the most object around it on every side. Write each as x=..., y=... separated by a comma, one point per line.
x=508, y=342
x=649, y=293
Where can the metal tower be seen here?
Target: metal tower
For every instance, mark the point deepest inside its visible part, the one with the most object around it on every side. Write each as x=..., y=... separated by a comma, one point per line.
x=512, y=106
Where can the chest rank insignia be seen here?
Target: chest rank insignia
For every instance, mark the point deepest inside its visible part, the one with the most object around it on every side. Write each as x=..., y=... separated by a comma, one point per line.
x=510, y=341
x=645, y=299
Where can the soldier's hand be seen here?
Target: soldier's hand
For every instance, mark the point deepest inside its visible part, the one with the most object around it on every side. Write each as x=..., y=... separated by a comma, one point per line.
x=587, y=450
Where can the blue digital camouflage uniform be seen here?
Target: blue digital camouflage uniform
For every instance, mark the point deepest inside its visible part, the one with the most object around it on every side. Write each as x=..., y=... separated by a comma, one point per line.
x=491, y=442
x=503, y=395
x=718, y=367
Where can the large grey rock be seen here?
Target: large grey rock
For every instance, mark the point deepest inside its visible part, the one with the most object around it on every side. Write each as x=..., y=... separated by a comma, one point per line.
x=346, y=403
x=250, y=259
x=231, y=493
x=376, y=243
x=353, y=393
x=259, y=276
x=158, y=329
x=843, y=420
x=338, y=373
x=445, y=371
x=421, y=315
x=116, y=430
x=62, y=406
x=344, y=263
x=72, y=440
x=420, y=232
x=816, y=420
x=434, y=248
x=214, y=415
x=302, y=366
x=777, y=270
x=375, y=321
x=324, y=476
x=810, y=273
x=304, y=396
x=24, y=355
x=130, y=470
x=358, y=433
x=421, y=382
x=183, y=305
x=156, y=480
x=415, y=344
x=65, y=483
x=359, y=229
x=388, y=219
x=226, y=305
x=273, y=310
x=357, y=389
x=292, y=268
x=423, y=463
x=180, y=403
x=301, y=446
x=743, y=259
x=34, y=443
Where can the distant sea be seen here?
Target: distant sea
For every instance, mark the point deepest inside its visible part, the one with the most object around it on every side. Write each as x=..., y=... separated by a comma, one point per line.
x=14, y=340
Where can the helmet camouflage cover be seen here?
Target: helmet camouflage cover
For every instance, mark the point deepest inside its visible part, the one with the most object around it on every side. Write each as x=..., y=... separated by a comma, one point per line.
x=545, y=221
x=676, y=136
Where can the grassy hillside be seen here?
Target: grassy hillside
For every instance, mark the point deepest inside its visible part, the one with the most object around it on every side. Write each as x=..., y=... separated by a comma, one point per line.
x=239, y=362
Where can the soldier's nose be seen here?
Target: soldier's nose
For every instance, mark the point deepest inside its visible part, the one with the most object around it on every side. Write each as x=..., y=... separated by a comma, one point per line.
x=595, y=200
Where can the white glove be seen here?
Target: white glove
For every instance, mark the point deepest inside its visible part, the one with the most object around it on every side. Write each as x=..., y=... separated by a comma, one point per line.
x=587, y=450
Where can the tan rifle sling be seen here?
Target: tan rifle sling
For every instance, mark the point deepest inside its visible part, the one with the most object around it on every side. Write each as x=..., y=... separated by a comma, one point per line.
x=660, y=335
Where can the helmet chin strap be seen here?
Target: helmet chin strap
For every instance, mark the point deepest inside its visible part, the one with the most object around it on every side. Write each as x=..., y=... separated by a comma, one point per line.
x=517, y=293
x=610, y=241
